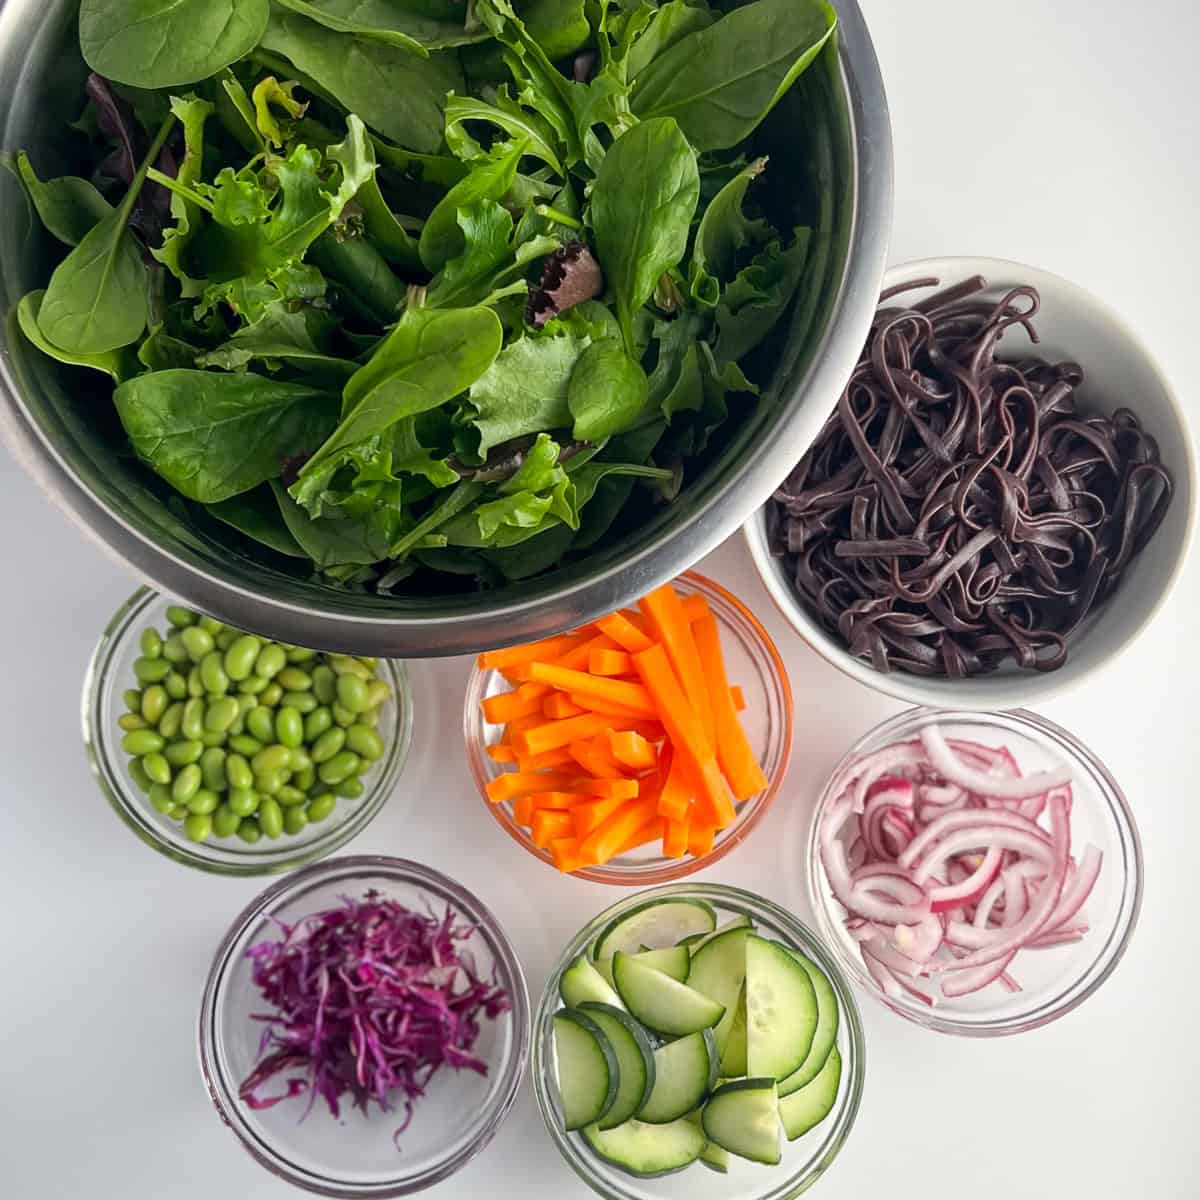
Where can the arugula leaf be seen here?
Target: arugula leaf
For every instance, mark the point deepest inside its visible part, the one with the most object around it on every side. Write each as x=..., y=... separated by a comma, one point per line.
x=521, y=126
x=387, y=22
x=642, y=206
x=395, y=92
x=119, y=364
x=256, y=515
x=525, y=389
x=68, y=207
x=384, y=229
x=672, y=22
x=97, y=299
x=168, y=43
x=608, y=391
x=212, y=436
x=329, y=542
x=724, y=232
x=759, y=295
x=454, y=502
x=720, y=82
x=192, y=114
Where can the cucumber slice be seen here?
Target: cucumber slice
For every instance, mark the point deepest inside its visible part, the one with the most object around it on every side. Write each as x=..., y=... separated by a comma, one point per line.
x=673, y=961
x=587, y=1068
x=781, y=1009
x=718, y=970
x=662, y=1003
x=656, y=924
x=743, y=1118
x=647, y=1150
x=712, y=1156
x=697, y=940
x=814, y=1102
x=685, y=1071
x=733, y=1057
x=825, y=1034
x=635, y=1061
x=582, y=983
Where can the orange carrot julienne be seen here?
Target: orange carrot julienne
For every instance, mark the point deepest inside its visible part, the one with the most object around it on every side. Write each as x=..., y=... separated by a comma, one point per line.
x=624, y=632
x=534, y=691
x=694, y=606
x=609, y=662
x=499, y=753
x=545, y=762
x=654, y=830
x=565, y=852
x=558, y=800
x=515, y=656
x=523, y=809
x=576, y=659
x=606, y=840
x=738, y=697
x=700, y=839
x=619, y=691
x=558, y=706
x=604, y=754
x=508, y=706
x=518, y=723
x=598, y=765
x=593, y=704
x=737, y=759
x=547, y=824
x=586, y=816
x=517, y=783
x=549, y=735
x=676, y=796
x=665, y=613
x=675, y=837
x=631, y=750
x=607, y=789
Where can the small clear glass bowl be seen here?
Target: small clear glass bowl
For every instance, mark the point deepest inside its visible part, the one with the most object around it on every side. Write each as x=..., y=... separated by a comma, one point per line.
x=1053, y=981
x=751, y=661
x=804, y=1160
x=356, y=1157
x=110, y=673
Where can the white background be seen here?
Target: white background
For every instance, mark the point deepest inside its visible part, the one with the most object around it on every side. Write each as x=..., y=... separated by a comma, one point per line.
x=1062, y=134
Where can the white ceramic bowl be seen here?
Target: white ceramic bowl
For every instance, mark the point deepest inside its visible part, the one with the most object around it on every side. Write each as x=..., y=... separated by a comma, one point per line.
x=1119, y=371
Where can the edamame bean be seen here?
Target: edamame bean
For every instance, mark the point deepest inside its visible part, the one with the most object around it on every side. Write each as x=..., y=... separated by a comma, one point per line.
x=204, y=801
x=249, y=831
x=343, y=716
x=221, y=714
x=133, y=700
x=240, y=657
x=289, y=727
x=260, y=723
x=180, y=617
x=151, y=670
x=378, y=693
x=225, y=639
x=237, y=771
x=198, y=827
x=327, y=745
x=255, y=685
x=195, y=685
x=294, y=820
x=324, y=683
x=300, y=654
x=299, y=759
x=242, y=801
x=177, y=812
x=192, y=723
x=187, y=783
x=344, y=665
x=142, y=741
x=302, y=702
x=352, y=693
x=292, y=679
x=370, y=717
x=320, y=807
x=339, y=767
x=225, y=821
x=182, y=754
x=212, y=767
x=267, y=783
x=170, y=722
x=270, y=817
x=365, y=742
x=160, y=798
x=305, y=777
x=317, y=721
x=212, y=674
x=270, y=661
x=157, y=769
x=350, y=788
x=212, y=626
x=154, y=703
x=243, y=743
x=174, y=651
x=130, y=722
x=288, y=795
x=138, y=774
x=271, y=695
x=198, y=641
x=214, y=737
x=151, y=644
x=176, y=685
x=273, y=758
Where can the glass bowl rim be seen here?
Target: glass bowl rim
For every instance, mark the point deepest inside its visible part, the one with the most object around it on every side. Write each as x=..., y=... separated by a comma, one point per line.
x=396, y=870
x=1040, y=1011
x=854, y=1060
x=756, y=808
x=102, y=750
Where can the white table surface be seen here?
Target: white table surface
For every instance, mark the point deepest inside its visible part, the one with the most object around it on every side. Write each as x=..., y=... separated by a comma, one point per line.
x=1060, y=134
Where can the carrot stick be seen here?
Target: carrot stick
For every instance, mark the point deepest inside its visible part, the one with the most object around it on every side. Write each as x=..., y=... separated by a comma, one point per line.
x=545, y=762
x=609, y=662
x=700, y=839
x=534, y=691
x=631, y=750
x=618, y=691
x=675, y=837
x=515, y=656
x=586, y=816
x=676, y=796
x=558, y=800
x=665, y=613
x=604, y=754
x=508, y=706
x=576, y=659
x=624, y=632
x=608, y=789
x=592, y=704
x=551, y=734
x=694, y=606
x=517, y=783
x=737, y=759
x=601, y=766
x=653, y=831
x=518, y=723
x=565, y=852
x=523, y=809
x=548, y=824
x=606, y=840
x=501, y=754
x=738, y=697
x=559, y=706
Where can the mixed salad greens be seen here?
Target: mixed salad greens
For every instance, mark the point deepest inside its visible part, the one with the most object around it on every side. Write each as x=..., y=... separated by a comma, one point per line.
x=399, y=286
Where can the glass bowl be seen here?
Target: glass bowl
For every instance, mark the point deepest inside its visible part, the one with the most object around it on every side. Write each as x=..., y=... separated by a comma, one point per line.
x=804, y=1160
x=752, y=662
x=1054, y=980
x=356, y=1157
x=110, y=673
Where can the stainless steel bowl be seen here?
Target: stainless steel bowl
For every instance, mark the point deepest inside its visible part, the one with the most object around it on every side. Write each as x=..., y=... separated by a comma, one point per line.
x=831, y=141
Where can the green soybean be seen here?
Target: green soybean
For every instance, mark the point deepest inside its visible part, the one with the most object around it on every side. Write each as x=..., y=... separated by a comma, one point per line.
x=192, y=723
x=225, y=821
x=154, y=703
x=365, y=742
x=299, y=758
x=327, y=745
x=171, y=720
x=249, y=831
x=270, y=661
x=292, y=679
x=198, y=827
x=130, y=722
x=267, y=783
x=378, y=693
x=272, y=758
x=160, y=798
x=370, y=717
x=237, y=771
x=177, y=812
x=198, y=642
x=316, y=723
x=243, y=743
x=302, y=702
x=270, y=817
x=204, y=801
x=151, y=643
x=174, y=651
x=225, y=639
x=212, y=674
x=142, y=741
x=151, y=670
x=289, y=727
x=288, y=794
x=242, y=800
x=320, y=807
x=305, y=777
x=212, y=625
x=157, y=769
x=343, y=665
x=324, y=684
x=181, y=618
x=221, y=714
x=254, y=685
x=187, y=783
x=352, y=693
x=294, y=821
x=214, y=737
x=300, y=654
x=176, y=685
x=133, y=700
x=241, y=656
x=212, y=767
x=260, y=723
x=195, y=685
x=138, y=774
x=343, y=716
x=182, y=754
x=339, y=767
x=350, y=789
x=271, y=694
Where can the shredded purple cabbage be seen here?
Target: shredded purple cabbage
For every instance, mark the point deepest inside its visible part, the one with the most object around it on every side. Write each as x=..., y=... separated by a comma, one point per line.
x=372, y=1000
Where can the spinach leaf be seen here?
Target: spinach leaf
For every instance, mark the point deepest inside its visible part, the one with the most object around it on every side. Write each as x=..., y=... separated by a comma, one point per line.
x=607, y=393
x=720, y=82
x=385, y=230
x=168, y=43
x=192, y=113
x=212, y=436
x=69, y=207
x=96, y=298
x=395, y=92
x=386, y=21
x=256, y=515
x=525, y=389
x=299, y=337
x=120, y=363
x=430, y=357
x=369, y=286
x=724, y=232
x=642, y=207
x=329, y=542
x=670, y=23
x=506, y=114
x=162, y=351
x=758, y=296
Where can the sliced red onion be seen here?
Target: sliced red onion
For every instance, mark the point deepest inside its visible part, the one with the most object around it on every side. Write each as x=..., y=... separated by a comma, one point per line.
x=967, y=890
x=951, y=767
x=975, y=818
x=985, y=836
x=963, y=981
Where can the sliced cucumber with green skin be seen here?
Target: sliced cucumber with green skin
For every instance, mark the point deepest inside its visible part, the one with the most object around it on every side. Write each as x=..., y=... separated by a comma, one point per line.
x=647, y=1150
x=743, y=1118
x=825, y=1035
x=698, y=940
x=814, y=1102
x=712, y=1156
x=657, y=924
x=661, y=1003
x=582, y=983
x=718, y=970
x=673, y=961
x=781, y=1009
x=685, y=1071
x=588, y=1075
x=733, y=1057
x=635, y=1061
